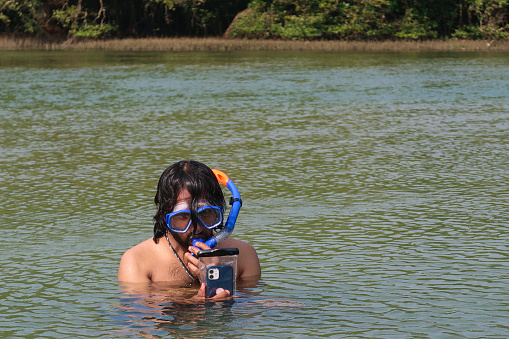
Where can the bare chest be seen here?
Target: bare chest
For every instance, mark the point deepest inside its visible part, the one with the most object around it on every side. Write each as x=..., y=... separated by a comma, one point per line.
x=170, y=271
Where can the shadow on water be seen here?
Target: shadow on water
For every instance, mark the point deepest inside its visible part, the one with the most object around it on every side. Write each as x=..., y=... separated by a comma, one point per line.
x=80, y=59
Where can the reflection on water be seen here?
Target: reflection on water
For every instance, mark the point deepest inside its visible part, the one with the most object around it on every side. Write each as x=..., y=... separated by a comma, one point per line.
x=156, y=309
x=161, y=310
x=374, y=189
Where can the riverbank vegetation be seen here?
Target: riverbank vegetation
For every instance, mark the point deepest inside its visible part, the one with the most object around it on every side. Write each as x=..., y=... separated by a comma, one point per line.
x=298, y=20
x=221, y=44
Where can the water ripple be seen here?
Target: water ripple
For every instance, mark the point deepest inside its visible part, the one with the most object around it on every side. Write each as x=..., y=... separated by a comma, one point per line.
x=374, y=190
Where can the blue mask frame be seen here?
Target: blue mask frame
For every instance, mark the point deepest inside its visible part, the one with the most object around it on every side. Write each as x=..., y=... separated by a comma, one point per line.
x=201, y=209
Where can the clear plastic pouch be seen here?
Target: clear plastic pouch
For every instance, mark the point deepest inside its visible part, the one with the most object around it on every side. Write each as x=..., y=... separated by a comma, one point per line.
x=218, y=270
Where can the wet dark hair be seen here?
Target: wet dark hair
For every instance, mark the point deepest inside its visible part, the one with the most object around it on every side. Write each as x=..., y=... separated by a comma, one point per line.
x=194, y=176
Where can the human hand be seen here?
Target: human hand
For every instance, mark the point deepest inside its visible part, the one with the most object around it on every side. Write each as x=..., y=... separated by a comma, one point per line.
x=220, y=293
x=193, y=263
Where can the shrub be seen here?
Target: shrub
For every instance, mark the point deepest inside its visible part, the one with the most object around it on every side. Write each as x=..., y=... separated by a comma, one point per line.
x=411, y=28
x=21, y=16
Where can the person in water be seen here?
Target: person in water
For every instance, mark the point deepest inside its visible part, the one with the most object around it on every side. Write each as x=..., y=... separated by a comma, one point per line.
x=168, y=255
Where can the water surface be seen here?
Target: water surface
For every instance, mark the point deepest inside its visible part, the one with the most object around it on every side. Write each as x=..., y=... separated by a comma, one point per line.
x=374, y=189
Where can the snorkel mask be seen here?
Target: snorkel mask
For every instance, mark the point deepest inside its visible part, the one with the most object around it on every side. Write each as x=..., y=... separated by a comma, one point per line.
x=236, y=203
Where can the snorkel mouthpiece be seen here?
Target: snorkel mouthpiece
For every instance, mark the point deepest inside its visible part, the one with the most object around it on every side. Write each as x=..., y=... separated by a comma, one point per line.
x=236, y=203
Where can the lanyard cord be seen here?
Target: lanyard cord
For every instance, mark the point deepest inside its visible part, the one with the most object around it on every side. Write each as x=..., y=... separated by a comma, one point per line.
x=180, y=260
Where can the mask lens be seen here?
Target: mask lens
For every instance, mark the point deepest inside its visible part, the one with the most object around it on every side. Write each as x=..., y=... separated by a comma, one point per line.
x=179, y=221
x=210, y=216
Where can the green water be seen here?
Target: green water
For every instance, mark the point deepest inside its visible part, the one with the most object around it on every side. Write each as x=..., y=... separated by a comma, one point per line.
x=375, y=189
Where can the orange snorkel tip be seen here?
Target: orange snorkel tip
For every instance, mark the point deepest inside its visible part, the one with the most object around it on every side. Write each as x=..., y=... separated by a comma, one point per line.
x=221, y=177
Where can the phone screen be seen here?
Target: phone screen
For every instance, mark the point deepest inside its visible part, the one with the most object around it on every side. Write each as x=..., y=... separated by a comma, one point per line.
x=219, y=276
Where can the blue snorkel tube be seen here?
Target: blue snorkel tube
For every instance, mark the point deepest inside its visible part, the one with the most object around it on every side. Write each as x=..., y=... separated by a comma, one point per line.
x=236, y=203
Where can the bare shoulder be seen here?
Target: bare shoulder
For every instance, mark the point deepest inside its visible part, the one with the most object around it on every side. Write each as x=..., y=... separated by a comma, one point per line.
x=240, y=244
x=248, y=265
x=135, y=262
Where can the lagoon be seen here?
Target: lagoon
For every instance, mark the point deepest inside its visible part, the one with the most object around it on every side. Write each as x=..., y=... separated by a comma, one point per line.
x=374, y=188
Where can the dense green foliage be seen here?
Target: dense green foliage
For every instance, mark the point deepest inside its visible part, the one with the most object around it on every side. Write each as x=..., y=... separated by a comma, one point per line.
x=284, y=19
x=121, y=18
x=374, y=19
x=20, y=16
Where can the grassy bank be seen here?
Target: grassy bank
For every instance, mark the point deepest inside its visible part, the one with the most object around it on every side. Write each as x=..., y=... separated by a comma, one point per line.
x=218, y=44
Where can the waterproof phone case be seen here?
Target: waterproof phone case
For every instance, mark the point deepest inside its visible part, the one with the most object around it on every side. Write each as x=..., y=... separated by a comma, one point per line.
x=218, y=269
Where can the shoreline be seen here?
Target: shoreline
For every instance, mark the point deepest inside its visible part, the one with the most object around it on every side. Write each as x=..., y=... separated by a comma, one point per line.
x=222, y=44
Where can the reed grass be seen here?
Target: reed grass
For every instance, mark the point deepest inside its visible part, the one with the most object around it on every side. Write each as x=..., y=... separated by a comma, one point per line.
x=220, y=44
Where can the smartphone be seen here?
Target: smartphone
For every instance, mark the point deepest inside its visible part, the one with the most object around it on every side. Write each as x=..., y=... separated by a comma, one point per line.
x=219, y=276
